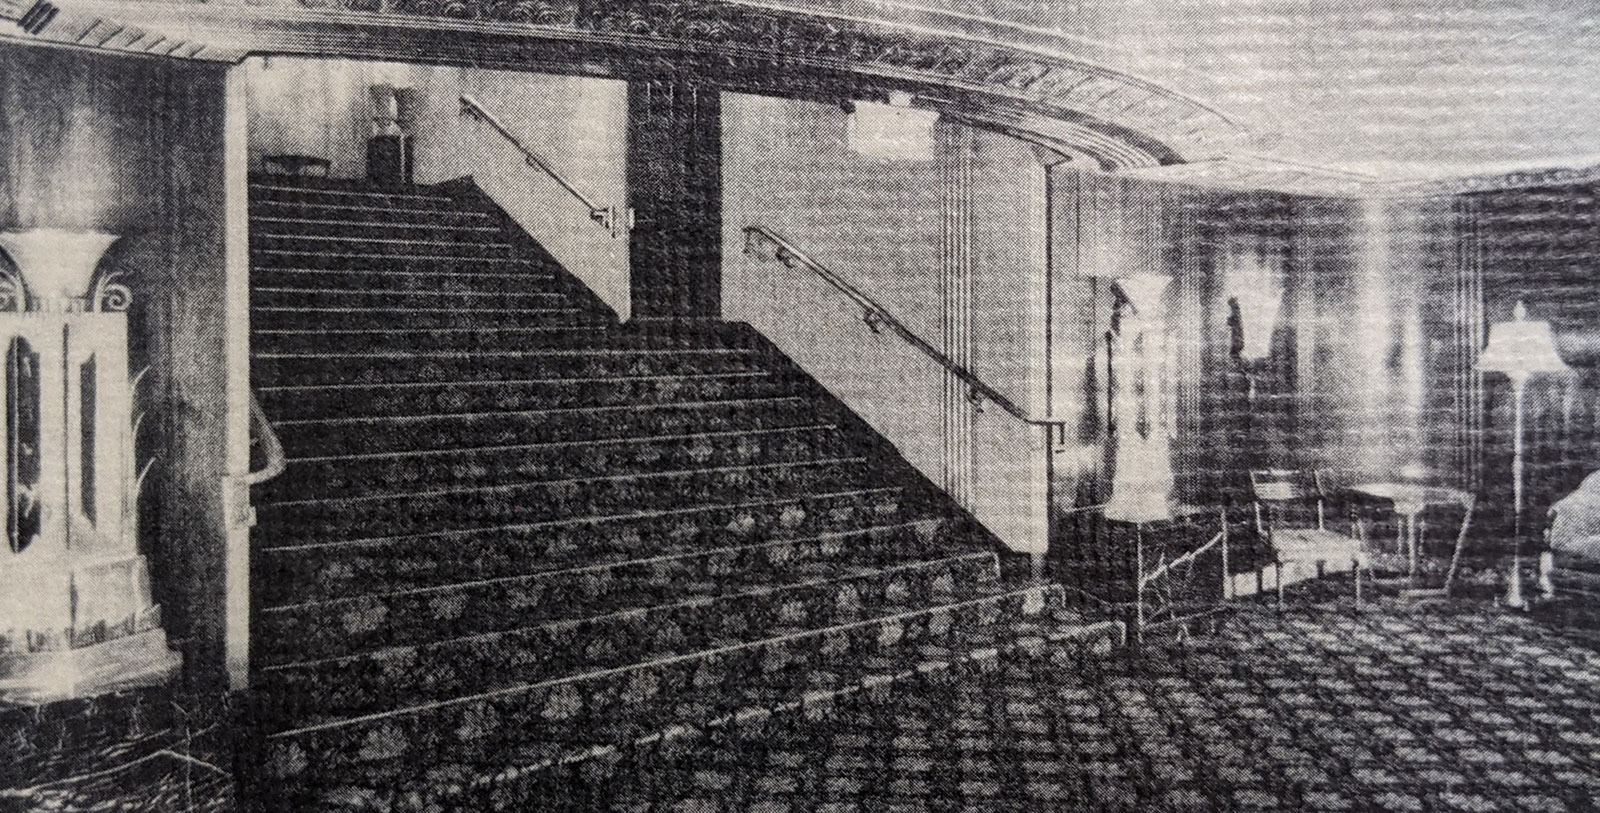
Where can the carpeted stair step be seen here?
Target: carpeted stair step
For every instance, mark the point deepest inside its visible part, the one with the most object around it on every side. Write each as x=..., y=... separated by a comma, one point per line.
x=311, y=224
x=477, y=245
x=354, y=213
x=445, y=260
x=363, y=475
x=536, y=295
x=337, y=192
x=428, y=398
x=430, y=511
x=534, y=278
x=468, y=338
x=458, y=753
x=306, y=437
x=876, y=736
x=312, y=692
x=268, y=319
x=292, y=571
x=348, y=624
x=401, y=338
x=270, y=369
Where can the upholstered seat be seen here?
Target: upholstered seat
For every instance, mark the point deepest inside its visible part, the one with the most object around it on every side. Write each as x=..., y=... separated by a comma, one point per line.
x=1575, y=522
x=1571, y=568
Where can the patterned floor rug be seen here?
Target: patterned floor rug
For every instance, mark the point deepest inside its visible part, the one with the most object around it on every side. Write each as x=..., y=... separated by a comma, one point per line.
x=1401, y=706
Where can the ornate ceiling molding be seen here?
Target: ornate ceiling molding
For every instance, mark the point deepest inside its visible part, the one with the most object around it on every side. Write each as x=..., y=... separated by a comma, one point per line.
x=1070, y=95
x=1124, y=120
x=1258, y=173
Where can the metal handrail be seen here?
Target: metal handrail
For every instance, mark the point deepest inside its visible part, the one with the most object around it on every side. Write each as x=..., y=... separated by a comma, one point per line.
x=877, y=317
x=277, y=461
x=606, y=216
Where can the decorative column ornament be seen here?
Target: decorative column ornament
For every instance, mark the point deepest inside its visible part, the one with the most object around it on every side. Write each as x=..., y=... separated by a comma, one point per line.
x=1519, y=348
x=76, y=616
x=1142, y=484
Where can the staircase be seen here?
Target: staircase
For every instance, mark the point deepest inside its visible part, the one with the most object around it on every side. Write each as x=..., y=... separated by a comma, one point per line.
x=518, y=546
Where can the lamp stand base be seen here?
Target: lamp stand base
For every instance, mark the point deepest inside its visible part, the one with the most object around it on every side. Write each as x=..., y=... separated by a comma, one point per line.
x=1547, y=565
x=1514, y=598
x=132, y=661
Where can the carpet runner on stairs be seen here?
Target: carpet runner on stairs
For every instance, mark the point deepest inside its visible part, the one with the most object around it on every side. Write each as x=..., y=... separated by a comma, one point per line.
x=517, y=543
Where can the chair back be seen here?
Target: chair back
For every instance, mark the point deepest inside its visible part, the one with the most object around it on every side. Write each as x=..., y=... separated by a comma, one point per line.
x=1286, y=498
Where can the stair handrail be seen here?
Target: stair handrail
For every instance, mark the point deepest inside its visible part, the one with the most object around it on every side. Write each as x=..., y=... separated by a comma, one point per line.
x=261, y=428
x=606, y=216
x=877, y=317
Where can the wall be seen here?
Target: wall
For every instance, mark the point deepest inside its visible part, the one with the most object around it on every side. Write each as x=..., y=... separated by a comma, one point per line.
x=952, y=246
x=1356, y=373
x=1540, y=246
x=134, y=146
x=323, y=107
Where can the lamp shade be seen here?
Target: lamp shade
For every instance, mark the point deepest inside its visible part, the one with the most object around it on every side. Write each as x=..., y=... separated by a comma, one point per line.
x=1521, y=346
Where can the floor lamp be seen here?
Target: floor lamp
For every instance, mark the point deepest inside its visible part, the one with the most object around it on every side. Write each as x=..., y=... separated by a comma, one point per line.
x=1519, y=348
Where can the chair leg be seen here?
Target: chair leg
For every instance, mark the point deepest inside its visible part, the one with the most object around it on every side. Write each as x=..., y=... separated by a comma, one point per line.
x=1355, y=572
x=1278, y=569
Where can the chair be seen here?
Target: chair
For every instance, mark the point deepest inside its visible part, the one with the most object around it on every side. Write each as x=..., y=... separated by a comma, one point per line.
x=1571, y=560
x=1289, y=515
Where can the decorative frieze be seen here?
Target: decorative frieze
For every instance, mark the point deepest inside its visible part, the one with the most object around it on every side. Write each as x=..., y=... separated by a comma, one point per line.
x=736, y=44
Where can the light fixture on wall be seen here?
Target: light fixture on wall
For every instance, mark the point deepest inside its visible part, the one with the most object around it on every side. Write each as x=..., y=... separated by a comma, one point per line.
x=1255, y=297
x=1519, y=348
x=76, y=614
x=389, y=149
x=895, y=130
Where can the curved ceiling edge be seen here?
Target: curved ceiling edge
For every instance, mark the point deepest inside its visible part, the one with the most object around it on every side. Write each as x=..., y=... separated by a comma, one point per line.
x=1127, y=121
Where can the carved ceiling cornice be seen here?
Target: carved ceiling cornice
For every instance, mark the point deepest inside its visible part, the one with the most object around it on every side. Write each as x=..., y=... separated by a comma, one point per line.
x=1260, y=173
x=1069, y=95
x=1126, y=120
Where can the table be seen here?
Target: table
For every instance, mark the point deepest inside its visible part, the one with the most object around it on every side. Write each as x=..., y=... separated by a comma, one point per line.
x=1409, y=500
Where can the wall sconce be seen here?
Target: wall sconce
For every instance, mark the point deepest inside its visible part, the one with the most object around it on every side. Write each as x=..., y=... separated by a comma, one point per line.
x=1255, y=317
x=385, y=110
x=76, y=613
x=1254, y=275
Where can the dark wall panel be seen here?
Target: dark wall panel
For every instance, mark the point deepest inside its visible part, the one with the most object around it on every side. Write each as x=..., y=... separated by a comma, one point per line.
x=675, y=189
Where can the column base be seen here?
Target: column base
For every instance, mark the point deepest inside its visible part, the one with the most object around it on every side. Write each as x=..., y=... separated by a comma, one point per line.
x=131, y=661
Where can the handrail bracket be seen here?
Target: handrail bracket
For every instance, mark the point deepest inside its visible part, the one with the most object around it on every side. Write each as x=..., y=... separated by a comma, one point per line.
x=610, y=218
x=765, y=244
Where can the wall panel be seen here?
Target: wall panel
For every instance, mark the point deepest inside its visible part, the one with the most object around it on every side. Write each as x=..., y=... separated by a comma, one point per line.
x=950, y=244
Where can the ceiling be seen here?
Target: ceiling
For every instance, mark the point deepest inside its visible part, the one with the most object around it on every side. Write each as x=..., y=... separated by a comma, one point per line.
x=1339, y=96
x=1399, y=89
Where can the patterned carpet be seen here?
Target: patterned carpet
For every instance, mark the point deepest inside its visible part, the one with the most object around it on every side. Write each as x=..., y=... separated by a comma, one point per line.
x=1403, y=706
x=1407, y=706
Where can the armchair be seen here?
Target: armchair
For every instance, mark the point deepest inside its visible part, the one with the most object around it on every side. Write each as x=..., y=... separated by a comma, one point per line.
x=1571, y=563
x=1289, y=515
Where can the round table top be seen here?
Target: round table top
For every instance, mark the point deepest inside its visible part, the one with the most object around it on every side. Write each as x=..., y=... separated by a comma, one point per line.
x=1413, y=494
